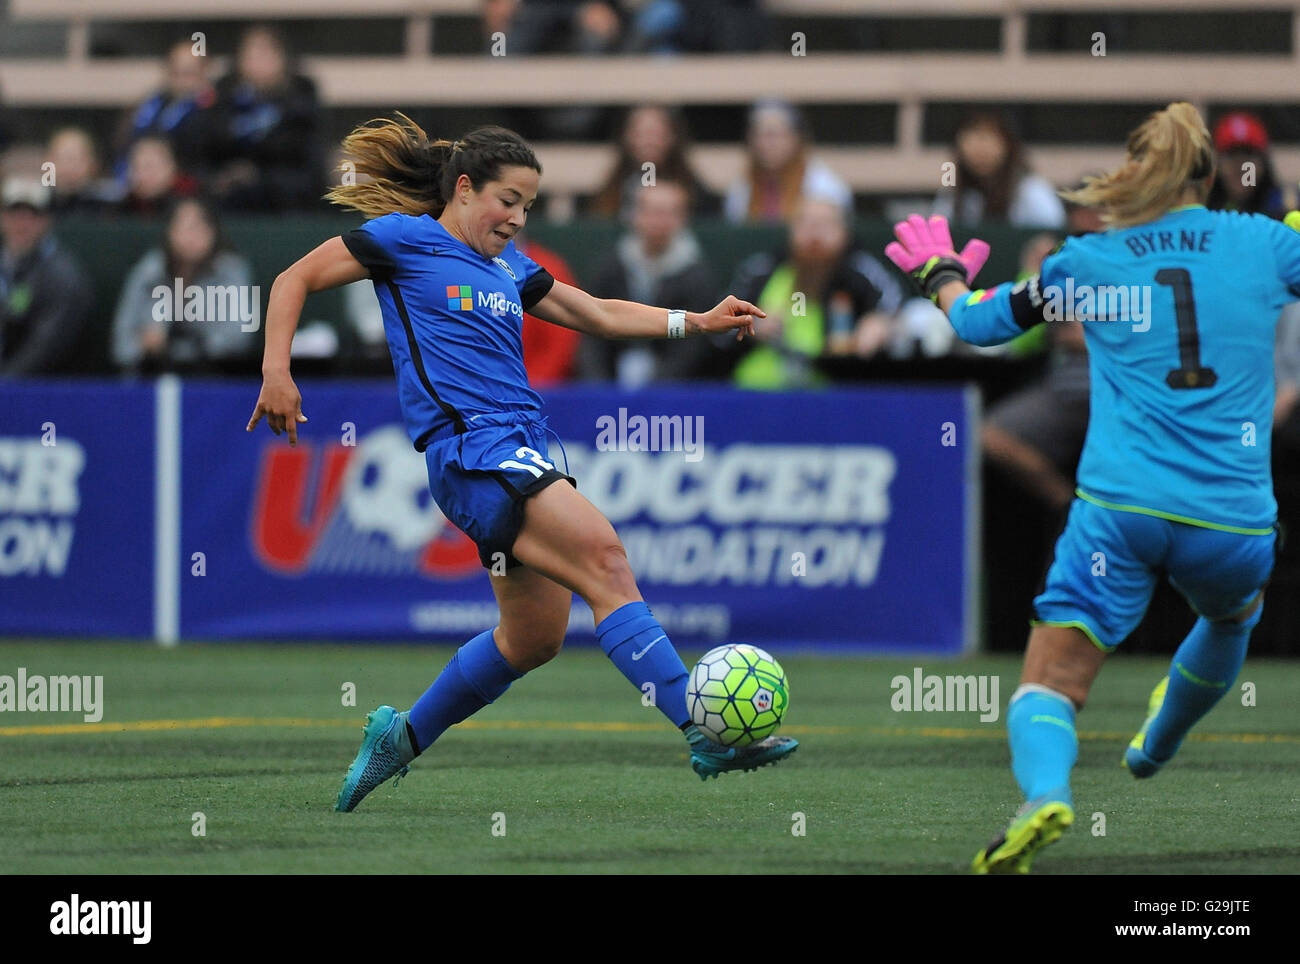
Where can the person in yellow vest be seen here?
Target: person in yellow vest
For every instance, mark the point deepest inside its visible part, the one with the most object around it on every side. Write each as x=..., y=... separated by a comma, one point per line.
x=822, y=297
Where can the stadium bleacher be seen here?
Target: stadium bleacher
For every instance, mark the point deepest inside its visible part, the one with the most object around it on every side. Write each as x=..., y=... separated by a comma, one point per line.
x=930, y=59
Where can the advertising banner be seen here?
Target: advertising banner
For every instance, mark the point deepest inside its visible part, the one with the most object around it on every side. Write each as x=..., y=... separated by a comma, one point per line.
x=836, y=519
x=77, y=504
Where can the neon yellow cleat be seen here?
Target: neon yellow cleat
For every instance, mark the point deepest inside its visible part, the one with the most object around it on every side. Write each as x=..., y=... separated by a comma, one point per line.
x=1135, y=756
x=1039, y=823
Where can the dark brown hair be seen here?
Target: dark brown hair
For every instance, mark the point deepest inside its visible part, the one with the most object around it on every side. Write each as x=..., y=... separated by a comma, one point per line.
x=608, y=201
x=405, y=171
x=1000, y=187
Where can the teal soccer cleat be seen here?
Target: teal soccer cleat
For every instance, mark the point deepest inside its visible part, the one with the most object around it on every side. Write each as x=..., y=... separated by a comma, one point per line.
x=385, y=751
x=710, y=759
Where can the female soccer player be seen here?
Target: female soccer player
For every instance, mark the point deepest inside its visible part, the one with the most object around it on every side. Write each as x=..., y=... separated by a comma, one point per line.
x=439, y=248
x=1179, y=305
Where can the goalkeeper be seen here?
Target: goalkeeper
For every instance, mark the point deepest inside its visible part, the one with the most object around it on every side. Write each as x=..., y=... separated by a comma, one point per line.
x=1175, y=473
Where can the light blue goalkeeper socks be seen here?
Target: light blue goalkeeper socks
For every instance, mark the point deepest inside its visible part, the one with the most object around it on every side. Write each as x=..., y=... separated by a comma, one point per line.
x=639, y=647
x=476, y=676
x=1044, y=745
x=1203, y=668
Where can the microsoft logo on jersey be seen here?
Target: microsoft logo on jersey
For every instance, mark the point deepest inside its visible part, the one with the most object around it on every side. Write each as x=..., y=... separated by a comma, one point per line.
x=460, y=298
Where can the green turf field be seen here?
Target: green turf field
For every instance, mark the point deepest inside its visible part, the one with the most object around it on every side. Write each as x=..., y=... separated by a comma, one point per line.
x=257, y=740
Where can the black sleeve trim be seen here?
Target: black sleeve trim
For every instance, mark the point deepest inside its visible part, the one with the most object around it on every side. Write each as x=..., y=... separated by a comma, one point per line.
x=366, y=250
x=1027, y=303
x=536, y=288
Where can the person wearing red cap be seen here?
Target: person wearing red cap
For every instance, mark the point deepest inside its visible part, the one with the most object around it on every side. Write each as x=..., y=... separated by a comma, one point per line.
x=1246, y=180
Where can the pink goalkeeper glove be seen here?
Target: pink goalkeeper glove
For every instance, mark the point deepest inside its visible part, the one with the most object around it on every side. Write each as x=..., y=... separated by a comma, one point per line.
x=924, y=250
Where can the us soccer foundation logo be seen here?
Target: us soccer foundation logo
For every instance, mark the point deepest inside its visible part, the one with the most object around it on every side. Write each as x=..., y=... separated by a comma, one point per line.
x=354, y=509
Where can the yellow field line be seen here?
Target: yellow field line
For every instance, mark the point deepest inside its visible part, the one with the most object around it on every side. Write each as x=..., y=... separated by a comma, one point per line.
x=933, y=732
x=226, y=722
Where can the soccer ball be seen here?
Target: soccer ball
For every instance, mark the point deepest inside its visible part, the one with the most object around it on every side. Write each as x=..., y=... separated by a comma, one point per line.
x=737, y=694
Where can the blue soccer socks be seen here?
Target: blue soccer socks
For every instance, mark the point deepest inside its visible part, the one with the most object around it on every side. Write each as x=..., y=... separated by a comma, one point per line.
x=476, y=676
x=1203, y=668
x=1044, y=745
x=639, y=647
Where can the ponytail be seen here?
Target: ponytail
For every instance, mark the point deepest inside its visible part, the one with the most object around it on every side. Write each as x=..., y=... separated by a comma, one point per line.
x=408, y=173
x=1168, y=151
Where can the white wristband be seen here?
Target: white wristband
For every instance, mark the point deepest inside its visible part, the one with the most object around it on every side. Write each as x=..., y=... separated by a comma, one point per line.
x=676, y=323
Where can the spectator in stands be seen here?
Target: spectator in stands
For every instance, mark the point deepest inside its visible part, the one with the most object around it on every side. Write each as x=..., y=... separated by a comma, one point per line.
x=78, y=188
x=1286, y=412
x=562, y=26
x=779, y=170
x=1245, y=179
x=7, y=137
x=263, y=151
x=702, y=26
x=657, y=135
x=151, y=332
x=659, y=262
x=24, y=159
x=993, y=179
x=584, y=28
x=153, y=180
x=822, y=297
x=45, y=299
x=1286, y=418
x=498, y=16
x=176, y=111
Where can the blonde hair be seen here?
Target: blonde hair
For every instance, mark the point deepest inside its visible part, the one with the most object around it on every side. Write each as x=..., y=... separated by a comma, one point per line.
x=1166, y=152
x=404, y=171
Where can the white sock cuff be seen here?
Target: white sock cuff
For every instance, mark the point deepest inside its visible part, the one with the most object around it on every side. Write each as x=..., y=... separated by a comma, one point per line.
x=1025, y=688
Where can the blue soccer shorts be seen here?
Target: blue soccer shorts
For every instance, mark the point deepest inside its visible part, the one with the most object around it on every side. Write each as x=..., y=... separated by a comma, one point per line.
x=1107, y=562
x=481, y=478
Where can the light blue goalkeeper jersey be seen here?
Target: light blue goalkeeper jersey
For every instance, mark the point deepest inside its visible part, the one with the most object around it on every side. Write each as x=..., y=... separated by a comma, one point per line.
x=1179, y=317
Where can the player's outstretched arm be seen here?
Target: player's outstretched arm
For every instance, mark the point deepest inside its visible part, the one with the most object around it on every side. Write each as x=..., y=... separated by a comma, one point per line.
x=924, y=249
x=571, y=307
x=328, y=266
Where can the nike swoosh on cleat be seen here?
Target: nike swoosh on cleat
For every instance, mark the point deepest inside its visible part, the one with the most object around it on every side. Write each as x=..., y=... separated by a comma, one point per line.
x=636, y=656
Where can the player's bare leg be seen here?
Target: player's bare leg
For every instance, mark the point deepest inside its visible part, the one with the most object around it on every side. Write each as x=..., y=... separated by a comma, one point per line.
x=534, y=617
x=569, y=541
x=1063, y=659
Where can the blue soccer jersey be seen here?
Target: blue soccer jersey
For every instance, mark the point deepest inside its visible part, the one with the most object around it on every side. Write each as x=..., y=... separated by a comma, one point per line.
x=1179, y=317
x=454, y=322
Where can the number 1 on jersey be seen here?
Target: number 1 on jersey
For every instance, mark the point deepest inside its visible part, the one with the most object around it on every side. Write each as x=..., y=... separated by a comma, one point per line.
x=1189, y=374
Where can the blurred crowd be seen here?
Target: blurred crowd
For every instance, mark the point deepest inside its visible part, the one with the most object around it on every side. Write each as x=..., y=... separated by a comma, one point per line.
x=200, y=148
